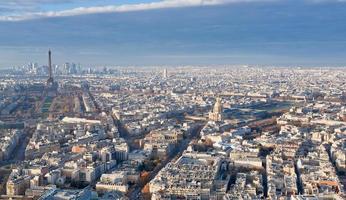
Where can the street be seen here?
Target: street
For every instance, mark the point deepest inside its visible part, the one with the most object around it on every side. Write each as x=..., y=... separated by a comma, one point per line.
x=135, y=193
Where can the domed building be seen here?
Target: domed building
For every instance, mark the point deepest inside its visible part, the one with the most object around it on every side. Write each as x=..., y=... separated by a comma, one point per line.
x=216, y=114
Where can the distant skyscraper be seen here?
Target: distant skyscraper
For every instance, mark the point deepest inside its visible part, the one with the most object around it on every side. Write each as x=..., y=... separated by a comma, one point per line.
x=66, y=68
x=50, y=79
x=165, y=73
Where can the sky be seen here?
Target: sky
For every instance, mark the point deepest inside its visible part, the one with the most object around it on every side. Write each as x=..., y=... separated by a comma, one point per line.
x=174, y=32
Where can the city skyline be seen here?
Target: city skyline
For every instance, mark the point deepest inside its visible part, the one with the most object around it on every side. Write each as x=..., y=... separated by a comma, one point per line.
x=172, y=99
x=173, y=32
x=157, y=133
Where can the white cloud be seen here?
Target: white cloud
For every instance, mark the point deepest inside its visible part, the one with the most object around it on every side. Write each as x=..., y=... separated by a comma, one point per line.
x=122, y=8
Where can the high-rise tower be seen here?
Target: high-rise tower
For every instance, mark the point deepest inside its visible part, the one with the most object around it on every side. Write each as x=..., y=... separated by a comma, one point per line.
x=50, y=79
x=165, y=73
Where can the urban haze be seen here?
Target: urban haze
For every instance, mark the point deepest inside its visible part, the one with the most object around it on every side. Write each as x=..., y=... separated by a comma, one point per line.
x=172, y=99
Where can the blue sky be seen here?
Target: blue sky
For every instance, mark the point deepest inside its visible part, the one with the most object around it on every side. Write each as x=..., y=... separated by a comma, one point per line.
x=174, y=32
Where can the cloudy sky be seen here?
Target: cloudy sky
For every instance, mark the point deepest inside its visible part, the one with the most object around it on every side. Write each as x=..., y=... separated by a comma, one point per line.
x=174, y=32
